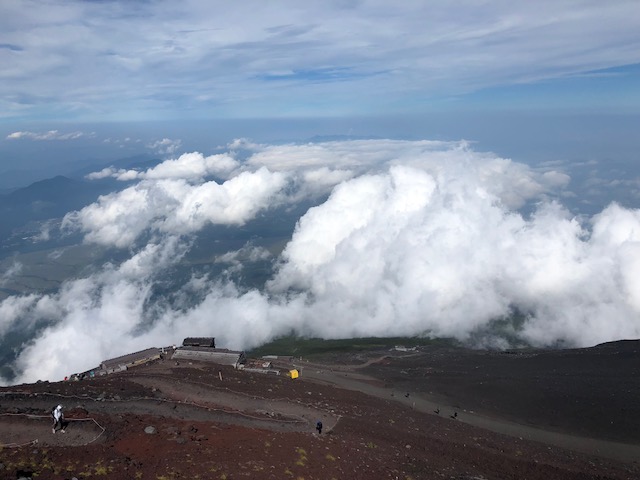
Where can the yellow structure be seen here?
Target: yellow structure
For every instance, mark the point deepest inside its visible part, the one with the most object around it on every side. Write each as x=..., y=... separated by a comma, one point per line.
x=294, y=373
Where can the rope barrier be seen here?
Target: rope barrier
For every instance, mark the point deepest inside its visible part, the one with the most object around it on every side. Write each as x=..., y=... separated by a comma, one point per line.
x=33, y=442
x=296, y=418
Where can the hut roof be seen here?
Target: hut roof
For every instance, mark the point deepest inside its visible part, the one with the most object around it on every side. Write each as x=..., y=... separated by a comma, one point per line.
x=220, y=356
x=142, y=355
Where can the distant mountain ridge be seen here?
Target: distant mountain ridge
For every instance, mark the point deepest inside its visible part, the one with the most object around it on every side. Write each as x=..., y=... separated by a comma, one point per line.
x=16, y=179
x=48, y=190
x=50, y=198
x=53, y=197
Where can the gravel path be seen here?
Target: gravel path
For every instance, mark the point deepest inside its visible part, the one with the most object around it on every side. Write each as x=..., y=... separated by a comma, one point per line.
x=330, y=375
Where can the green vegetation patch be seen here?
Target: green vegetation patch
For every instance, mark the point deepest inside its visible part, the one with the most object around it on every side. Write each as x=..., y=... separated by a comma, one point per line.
x=299, y=346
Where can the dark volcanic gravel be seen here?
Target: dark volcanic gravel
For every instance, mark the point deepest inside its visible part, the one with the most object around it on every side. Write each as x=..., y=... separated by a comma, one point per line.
x=592, y=392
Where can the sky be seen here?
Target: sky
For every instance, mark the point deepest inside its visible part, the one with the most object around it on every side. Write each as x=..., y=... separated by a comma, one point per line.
x=120, y=61
x=464, y=162
x=535, y=81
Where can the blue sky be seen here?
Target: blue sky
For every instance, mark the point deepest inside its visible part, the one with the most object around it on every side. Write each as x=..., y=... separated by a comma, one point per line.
x=149, y=60
x=542, y=81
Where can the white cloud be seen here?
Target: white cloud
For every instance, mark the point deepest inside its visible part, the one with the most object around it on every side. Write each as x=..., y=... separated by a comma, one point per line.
x=193, y=166
x=14, y=269
x=172, y=205
x=120, y=174
x=189, y=166
x=50, y=135
x=97, y=315
x=14, y=309
x=233, y=202
x=116, y=219
x=104, y=173
x=418, y=238
x=166, y=146
x=239, y=258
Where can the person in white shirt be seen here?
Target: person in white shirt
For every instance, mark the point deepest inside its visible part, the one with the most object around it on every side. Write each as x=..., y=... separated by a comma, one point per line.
x=58, y=417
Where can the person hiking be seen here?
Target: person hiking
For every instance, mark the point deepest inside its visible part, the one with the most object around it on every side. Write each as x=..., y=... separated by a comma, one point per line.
x=319, y=427
x=58, y=417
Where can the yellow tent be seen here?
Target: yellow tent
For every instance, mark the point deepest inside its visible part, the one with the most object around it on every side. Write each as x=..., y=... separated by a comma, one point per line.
x=294, y=373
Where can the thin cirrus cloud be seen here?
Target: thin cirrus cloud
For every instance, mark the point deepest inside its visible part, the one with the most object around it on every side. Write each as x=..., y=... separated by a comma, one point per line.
x=49, y=135
x=410, y=238
x=121, y=61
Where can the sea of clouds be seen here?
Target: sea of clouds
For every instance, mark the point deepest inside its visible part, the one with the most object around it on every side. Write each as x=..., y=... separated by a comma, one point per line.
x=406, y=238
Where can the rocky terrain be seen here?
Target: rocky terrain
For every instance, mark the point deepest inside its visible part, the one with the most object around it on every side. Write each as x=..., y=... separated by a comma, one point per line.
x=429, y=413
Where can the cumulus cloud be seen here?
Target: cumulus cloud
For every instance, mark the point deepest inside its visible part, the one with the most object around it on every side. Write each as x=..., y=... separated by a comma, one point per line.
x=189, y=166
x=166, y=146
x=99, y=314
x=173, y=205
x=193, y=166
x=418, y=238
x=14, y=309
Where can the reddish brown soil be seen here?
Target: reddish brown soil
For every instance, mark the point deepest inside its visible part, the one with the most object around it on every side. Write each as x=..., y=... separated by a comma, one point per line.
x=262, y=427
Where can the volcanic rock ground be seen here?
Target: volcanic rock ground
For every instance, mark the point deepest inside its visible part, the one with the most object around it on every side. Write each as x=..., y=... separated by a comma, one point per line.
x=564, y=414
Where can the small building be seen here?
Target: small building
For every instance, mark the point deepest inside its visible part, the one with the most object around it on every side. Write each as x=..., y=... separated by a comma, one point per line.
x=253, y=363
x=264, y=371
x=209, y=342
x=259, y=366
x=130, y=360
x=221, y=356
x=402, y=348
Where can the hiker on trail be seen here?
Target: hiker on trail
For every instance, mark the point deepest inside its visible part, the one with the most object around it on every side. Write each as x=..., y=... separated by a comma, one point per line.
x=319, y=427
x=58, y=417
